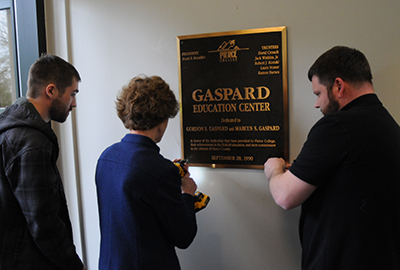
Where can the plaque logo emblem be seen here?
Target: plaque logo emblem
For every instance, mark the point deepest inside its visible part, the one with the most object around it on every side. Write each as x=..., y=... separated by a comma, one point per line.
x=228, y=51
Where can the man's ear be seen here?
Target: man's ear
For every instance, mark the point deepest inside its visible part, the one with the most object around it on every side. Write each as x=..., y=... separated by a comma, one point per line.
x=340, y=87
x=51, y=91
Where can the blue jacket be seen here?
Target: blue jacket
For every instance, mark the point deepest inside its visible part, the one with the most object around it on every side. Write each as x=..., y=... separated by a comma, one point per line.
x=143, y=213
x=35, y=229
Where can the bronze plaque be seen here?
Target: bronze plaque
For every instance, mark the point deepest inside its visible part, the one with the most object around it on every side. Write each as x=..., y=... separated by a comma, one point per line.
x=233, y=95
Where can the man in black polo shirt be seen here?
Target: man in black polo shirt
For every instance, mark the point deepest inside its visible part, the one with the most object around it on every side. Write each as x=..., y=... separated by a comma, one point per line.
x=346, y=176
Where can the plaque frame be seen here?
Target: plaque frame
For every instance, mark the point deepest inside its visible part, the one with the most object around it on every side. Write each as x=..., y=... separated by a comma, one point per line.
x=186, y=56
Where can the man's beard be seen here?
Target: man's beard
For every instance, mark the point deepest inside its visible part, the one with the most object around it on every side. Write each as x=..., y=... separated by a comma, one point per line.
x=58, y=112
x=333, y=105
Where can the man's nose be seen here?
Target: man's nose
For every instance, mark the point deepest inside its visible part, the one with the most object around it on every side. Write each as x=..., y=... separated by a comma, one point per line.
x=73, y=103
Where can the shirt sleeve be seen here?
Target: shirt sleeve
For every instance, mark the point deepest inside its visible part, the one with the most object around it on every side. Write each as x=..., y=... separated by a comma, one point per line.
x=326, y=147
x=176, y=211
x=37, y=187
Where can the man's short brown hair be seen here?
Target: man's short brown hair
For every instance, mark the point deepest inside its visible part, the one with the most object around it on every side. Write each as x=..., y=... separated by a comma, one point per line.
x=347, y=63
x=50, y=69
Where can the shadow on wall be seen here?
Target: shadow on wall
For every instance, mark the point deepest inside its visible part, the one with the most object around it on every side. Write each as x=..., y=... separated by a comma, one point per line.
x=242, y=227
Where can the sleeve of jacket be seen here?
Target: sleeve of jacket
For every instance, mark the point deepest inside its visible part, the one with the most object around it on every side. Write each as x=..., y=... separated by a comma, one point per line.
x=176, y=210
x=37, y=187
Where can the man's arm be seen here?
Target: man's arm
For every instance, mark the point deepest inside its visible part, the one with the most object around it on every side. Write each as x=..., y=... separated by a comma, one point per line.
x=36, y=187
x=287, y=190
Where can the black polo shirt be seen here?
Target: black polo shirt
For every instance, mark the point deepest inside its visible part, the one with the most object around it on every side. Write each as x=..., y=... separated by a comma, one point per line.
x=352, y=220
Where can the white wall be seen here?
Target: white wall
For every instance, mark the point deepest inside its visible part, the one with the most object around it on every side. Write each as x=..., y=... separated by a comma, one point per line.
x=112, y=41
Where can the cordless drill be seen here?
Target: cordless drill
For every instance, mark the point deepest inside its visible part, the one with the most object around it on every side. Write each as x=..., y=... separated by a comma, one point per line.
x=200, y=200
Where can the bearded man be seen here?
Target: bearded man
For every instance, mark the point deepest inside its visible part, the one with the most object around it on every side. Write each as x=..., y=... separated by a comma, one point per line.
x=346, y=175
x=35, y=228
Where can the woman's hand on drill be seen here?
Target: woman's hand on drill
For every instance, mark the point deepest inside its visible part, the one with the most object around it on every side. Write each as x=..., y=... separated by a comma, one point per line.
x=188, y=186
